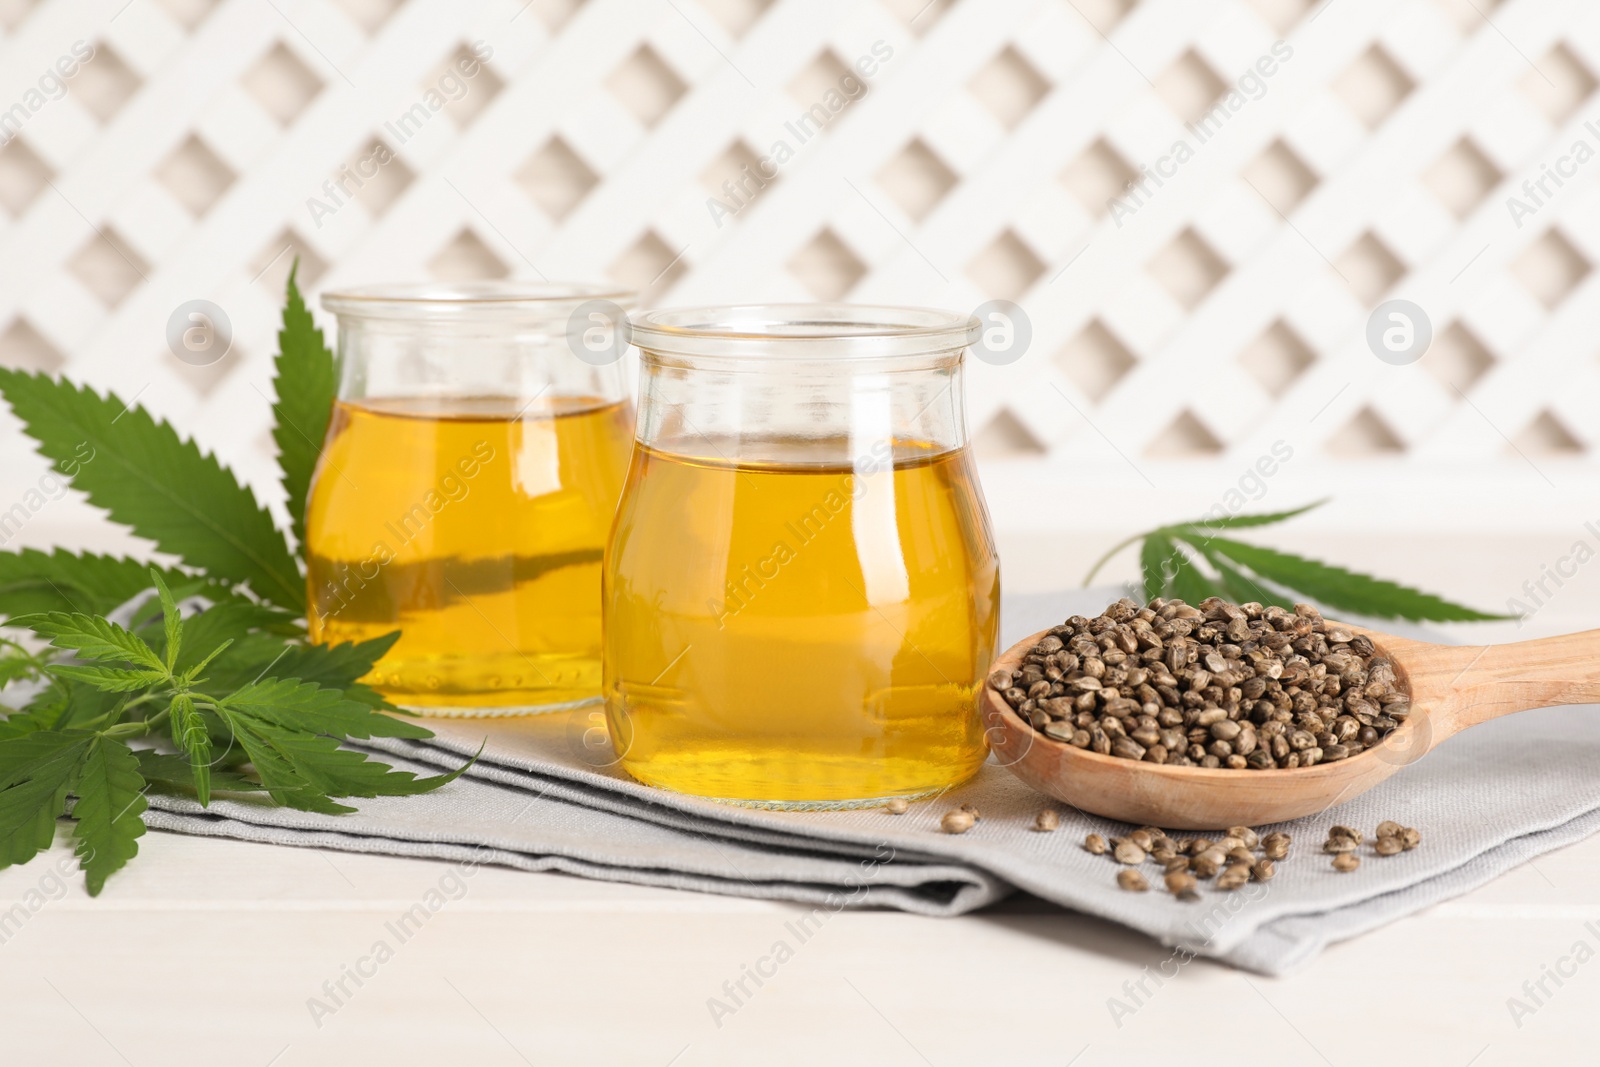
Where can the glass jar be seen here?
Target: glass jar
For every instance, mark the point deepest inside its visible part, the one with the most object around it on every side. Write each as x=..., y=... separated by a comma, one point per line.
x=801, y=587
x=468, y=479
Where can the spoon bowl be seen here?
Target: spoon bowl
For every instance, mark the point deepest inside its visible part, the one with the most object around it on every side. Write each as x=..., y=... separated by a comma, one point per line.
x=1451, y=687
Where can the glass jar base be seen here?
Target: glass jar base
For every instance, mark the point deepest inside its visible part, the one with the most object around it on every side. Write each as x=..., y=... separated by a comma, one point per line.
x=799, y=804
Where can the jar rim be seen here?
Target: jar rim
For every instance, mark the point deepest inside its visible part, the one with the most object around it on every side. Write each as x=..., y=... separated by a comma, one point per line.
x=803, y=331
x=403, y=300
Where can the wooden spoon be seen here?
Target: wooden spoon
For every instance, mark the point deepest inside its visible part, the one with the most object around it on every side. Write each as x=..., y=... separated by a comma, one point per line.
x=1452, y=687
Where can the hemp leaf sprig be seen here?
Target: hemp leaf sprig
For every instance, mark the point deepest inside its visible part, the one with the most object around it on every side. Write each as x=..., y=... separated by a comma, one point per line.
x=1192, y=561
x=228, y=698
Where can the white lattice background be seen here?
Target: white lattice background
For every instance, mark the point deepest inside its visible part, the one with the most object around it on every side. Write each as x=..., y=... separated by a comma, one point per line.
x=1168, y=352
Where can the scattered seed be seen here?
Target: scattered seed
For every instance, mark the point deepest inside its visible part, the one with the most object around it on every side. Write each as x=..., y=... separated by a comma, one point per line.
x=1345, y=831
x=1202, y=867
x=1095, y=844
x=1263, y=870
x=1132, y=880
x=1342, y=845
x=1177, y=865
x=1180, y=882
x=1346, y=861
x=1410, y=838
x=957, y=822
x=897, y=806
x=972, y=810
x=1276, y=845
x=1047, y=820
x=1233, y=878
x=1390, y=828
x=1129, y=853
x=1246, y=835
x=1143, y=839
x=1389, y=846
x=1241, y=855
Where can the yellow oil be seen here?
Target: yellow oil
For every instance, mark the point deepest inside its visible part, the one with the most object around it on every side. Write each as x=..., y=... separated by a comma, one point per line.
x=800, y=634
x=476, y=527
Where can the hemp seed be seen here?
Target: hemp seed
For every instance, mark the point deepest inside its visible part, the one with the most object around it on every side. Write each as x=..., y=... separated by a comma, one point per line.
x=1129, y=853
x=957, y=822
x=1047, y=820
x=897, y=806
x=1345, y=862
x=1095, y=844
x=1132, y=880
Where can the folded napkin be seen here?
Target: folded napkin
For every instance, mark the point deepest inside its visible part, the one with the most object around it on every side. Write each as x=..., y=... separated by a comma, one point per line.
x=544, y=797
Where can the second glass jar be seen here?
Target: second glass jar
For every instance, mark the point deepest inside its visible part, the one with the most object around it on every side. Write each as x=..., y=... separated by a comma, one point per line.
x=801, y=587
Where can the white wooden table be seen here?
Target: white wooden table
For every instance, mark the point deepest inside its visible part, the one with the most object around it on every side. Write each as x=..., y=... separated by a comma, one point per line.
x=206, y=950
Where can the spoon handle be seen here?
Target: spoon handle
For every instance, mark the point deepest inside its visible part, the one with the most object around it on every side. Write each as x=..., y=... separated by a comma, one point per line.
x=1465, y=686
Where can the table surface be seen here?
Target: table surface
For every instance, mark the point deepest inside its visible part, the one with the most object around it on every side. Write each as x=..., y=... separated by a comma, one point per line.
x=204, y=949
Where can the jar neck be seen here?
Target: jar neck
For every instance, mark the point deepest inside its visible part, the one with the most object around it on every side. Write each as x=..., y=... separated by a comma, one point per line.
x=801, y=412
x=381, y=360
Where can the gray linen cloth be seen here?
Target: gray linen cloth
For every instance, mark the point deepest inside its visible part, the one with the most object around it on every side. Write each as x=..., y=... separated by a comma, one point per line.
x=543, y=797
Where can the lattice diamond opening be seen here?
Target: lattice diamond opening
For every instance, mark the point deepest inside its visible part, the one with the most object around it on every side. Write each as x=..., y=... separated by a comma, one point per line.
x=188, y=13
x=195, y=176
x=553, y=13
x=917, y=179
x=370, y=15
x=1188, y=268
x=1548, y=436
x=1550, y=268
x=1369, y=268
x=1277, y=359
x=270, y=267
x=467, y=259
x=12, y=12
x=649, y=266
x=1282, y=15
x=1559, y=85
x=24, y=348
x=1281, y=177
x=1097, y=177
x=387, y=181
x=22, y=175
x=205, y=379
x=1462, y=177
x=1185, y=437
x=1007, y=437
x=556, y=178
x=1189, y=86
x=823, y=88
x=736, y=178
x=827, y=267
x=1009, y=87
x=1373, y=86
x=105, y=83
x=108, y=267
x=646, y=86
x=1457, y=358
x=281, y=84
x=480, y=89
x=920, y=15
x=1365, y=436
x=736, y=16
x=1103, y=15
x=1095, y=361
x=1469, y=16
x=1007, y=268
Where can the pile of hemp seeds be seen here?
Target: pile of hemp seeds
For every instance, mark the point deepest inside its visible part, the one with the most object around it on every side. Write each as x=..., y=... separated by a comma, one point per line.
x=1240, y=686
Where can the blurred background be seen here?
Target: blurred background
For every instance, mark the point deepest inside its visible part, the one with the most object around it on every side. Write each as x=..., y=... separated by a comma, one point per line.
x=1198, y=205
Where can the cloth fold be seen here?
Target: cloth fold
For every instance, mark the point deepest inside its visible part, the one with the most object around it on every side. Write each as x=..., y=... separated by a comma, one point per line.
x=543, y=797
